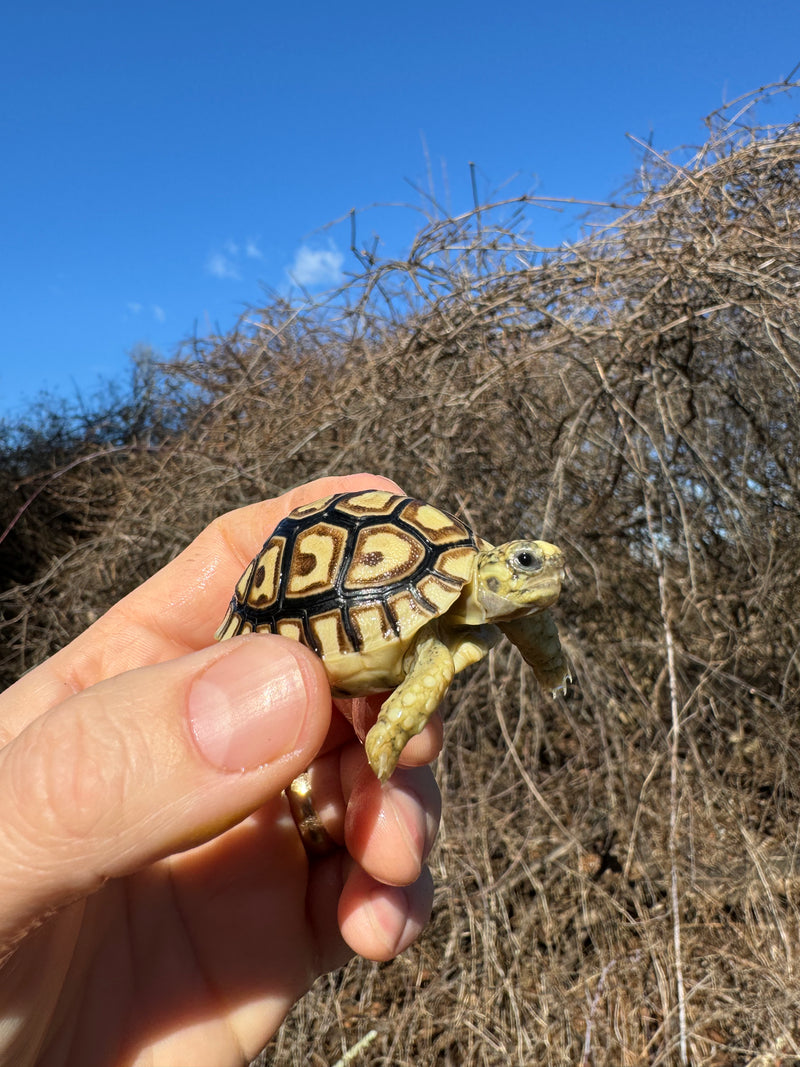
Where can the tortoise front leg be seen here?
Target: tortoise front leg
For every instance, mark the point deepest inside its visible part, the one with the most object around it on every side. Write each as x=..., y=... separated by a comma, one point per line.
x=536, y=636
x=429, y=672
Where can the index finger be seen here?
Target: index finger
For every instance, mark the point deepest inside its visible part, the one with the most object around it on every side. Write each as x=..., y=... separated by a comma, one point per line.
x=174, y=612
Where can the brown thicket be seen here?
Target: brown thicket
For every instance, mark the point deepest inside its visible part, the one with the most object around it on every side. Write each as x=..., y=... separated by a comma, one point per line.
x=618, y=871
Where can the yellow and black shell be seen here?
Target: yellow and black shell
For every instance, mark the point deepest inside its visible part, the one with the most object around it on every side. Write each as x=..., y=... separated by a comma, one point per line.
x=354, y=577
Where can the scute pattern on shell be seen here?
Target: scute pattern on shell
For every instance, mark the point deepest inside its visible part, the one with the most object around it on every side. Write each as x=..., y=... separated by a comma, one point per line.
x=353, y=571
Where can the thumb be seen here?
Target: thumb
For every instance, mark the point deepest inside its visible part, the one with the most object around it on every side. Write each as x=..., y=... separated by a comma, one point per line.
x=150, y=762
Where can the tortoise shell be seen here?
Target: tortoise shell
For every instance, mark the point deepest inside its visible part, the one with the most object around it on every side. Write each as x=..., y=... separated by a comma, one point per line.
x=354, y=576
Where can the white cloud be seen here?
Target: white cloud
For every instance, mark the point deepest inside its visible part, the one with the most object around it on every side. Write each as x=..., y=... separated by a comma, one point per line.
x=137, y=308
x=222, y=266
x=230, y=261
x=316, y=267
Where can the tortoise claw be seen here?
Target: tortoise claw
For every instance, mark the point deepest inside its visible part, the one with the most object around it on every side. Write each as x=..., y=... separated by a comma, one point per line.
x=561, y=688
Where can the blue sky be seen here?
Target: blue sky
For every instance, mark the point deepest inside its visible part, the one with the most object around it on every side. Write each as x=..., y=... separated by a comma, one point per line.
x=164, y=162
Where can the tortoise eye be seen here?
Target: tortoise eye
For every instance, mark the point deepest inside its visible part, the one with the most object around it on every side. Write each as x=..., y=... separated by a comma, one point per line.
x=526, y=560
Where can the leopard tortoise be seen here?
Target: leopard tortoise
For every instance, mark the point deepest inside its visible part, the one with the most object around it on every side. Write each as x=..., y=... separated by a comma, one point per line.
x=394, y=594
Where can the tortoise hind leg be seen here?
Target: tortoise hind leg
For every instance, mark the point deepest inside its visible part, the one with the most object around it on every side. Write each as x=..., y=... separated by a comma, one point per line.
x=404, y=713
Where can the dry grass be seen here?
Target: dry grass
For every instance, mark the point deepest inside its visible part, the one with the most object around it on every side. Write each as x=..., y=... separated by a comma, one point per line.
x=618, y=872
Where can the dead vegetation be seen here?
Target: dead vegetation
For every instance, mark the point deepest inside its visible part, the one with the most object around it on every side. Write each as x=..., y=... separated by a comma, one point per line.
x=618, y=872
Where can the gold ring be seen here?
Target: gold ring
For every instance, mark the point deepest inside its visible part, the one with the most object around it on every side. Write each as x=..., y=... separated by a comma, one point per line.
x=316, y=839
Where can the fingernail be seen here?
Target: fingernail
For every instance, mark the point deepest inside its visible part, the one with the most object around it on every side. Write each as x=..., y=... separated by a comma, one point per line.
x=416, y=805
x=249, y=707
x=388, y=912
x=411, y=823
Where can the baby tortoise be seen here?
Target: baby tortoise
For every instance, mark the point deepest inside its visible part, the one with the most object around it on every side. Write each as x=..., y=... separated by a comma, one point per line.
x=393, y=593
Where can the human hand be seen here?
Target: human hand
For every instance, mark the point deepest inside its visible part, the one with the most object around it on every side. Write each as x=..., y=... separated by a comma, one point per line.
x=156, y=903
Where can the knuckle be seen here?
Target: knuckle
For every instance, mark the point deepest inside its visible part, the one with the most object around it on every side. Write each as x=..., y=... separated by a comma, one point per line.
x=69, y=775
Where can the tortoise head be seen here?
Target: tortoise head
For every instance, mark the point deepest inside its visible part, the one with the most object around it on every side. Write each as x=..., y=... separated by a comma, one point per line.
x=517, y=579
